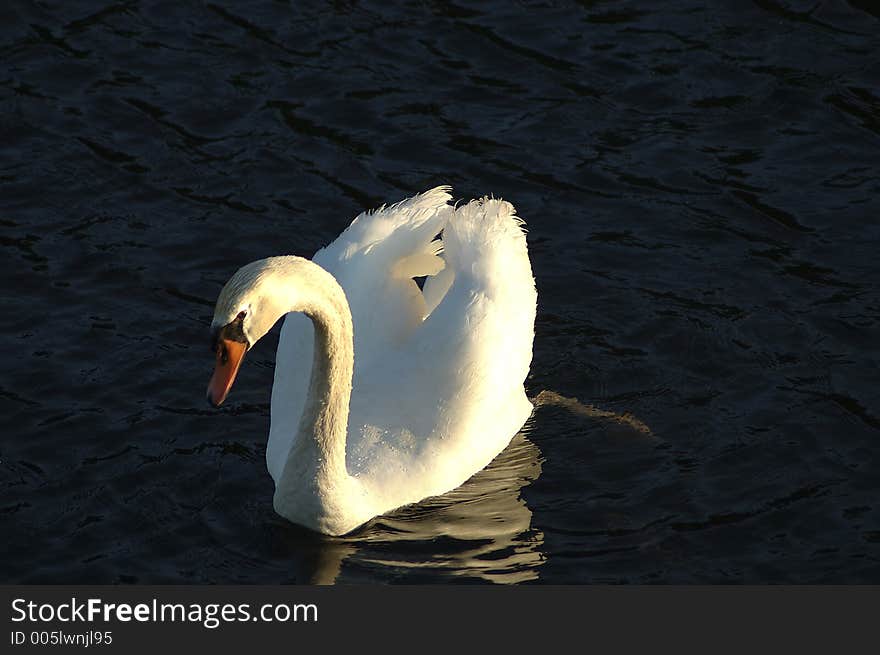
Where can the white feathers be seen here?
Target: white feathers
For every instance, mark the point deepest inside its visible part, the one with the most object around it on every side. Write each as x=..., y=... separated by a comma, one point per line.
x=391, y=233
x=438, y=375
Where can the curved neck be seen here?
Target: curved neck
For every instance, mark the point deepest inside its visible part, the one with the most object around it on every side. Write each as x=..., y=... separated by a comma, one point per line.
x=318, y=451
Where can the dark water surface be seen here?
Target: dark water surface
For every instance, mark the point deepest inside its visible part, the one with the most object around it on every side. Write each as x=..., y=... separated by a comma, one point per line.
x=700, y=185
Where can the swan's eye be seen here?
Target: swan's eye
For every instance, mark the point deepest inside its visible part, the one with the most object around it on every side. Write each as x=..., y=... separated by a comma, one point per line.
x=241, y=315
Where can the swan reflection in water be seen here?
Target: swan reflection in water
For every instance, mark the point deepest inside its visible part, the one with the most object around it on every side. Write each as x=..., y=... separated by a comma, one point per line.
x=481, y=530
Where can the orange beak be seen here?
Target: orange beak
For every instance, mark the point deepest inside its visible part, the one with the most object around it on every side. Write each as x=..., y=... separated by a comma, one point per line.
x=229, y=356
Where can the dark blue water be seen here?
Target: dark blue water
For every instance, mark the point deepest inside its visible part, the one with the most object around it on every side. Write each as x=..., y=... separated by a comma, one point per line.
x=700, y=183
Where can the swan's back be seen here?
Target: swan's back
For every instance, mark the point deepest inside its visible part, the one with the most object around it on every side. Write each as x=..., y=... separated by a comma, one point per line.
x=438, y=383
x=451, y=398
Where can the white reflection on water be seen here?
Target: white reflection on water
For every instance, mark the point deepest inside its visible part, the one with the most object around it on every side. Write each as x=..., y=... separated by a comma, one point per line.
x=480, y=531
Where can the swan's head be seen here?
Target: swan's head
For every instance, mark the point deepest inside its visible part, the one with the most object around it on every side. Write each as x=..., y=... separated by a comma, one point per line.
x=248, y=306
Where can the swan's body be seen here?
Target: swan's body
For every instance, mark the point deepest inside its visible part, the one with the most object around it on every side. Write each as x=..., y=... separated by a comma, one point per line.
x=389, y=394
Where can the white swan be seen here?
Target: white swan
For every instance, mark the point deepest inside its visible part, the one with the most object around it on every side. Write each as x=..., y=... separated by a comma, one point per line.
x=389, y=394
